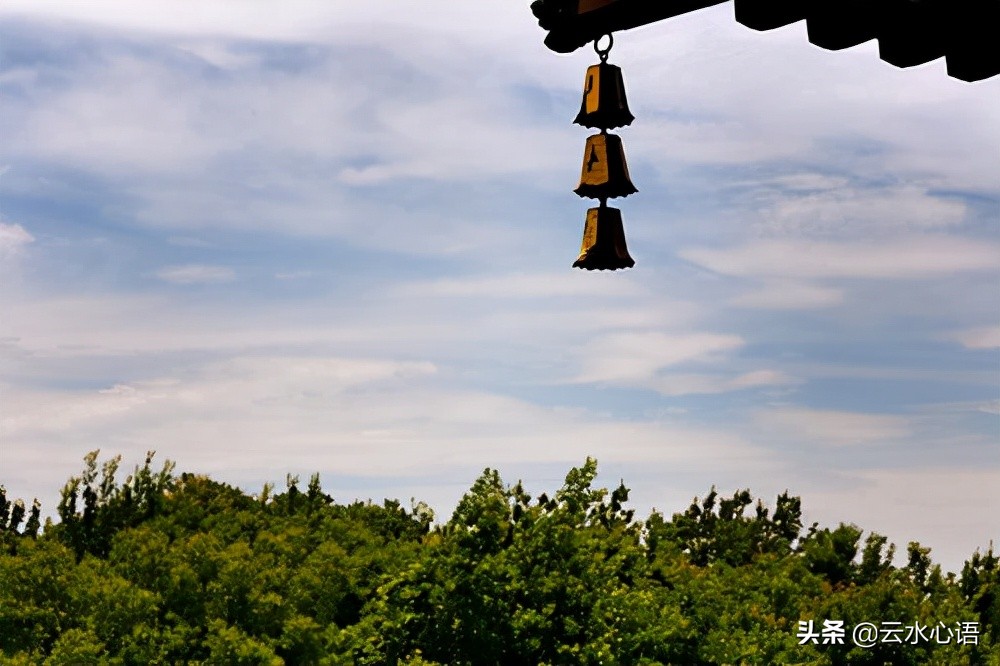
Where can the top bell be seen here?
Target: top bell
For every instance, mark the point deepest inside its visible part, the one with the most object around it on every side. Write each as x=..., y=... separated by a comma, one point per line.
x=604, y=105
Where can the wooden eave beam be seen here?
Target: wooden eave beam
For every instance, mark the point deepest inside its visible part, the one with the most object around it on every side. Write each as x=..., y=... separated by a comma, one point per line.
x=574, y=23
x=909, y=32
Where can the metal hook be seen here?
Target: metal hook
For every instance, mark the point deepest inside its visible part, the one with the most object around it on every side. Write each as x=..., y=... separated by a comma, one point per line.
x=603, y=53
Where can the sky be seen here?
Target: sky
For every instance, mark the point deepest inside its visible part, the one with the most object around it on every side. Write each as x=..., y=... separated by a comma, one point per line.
x=337, y=237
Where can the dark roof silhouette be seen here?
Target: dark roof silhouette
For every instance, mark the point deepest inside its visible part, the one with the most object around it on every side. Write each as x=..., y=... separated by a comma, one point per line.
x=909, y=32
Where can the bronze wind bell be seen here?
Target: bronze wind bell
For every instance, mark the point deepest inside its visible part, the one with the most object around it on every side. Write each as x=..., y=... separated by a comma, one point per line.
x=605, y=173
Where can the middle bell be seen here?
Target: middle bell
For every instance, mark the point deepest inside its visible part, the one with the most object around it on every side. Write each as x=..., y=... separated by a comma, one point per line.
x=605, y=173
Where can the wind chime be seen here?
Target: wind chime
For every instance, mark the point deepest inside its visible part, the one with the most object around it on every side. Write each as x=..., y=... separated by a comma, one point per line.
x=605, y=173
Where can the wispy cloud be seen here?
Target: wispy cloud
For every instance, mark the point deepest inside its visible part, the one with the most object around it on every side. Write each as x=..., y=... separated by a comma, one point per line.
x=196, y=274
x=845, y=210
x=831, y=427
x=302, y=20
x=189, y=241
x=678, y=384
x=635, y=358
x=110, y=118
x=524, y=286
x=989, y=407
x=294, y=275
x=982, y=406
x=374, y=417
x=785, y=295
x=13, y=237
x=986, y=337
x=903, y=257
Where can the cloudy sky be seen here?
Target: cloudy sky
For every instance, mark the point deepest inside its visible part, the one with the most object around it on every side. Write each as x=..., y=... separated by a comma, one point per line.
x=268, y=237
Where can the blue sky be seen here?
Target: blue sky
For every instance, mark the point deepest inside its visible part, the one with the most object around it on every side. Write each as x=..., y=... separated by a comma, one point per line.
x=337, y=237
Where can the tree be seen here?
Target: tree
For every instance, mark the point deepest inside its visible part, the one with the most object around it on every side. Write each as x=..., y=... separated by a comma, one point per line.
x=184, y=569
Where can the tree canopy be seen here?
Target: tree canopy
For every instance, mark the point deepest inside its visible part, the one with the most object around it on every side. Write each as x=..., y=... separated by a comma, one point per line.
x=164, y=568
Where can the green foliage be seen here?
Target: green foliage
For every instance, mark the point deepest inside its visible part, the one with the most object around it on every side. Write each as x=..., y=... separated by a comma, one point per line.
x=164, y=569
x=12, y=514
x=707, y=533
x=108, y=507
x=79, y=647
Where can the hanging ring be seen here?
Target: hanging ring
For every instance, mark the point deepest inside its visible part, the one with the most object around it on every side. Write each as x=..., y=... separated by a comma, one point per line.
x=603, y=53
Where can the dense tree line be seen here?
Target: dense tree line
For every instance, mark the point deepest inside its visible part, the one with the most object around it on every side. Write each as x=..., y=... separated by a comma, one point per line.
x=165, y=569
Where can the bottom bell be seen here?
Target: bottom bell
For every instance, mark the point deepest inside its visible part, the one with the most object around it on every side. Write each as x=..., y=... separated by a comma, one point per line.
x=603, y=247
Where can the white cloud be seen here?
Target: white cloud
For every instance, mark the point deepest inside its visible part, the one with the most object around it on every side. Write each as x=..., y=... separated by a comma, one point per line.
x=983, y=406
x=367, y=321
x=196, y=274
x=831, y=427
x=219, y=54
x=285, y=149
x=368, y=417
x=784, y=295
x=13, y=237
x=836, y=369
x=671, y=384
x=761, y=378
x=294, y=275
x=524, y=286
x=299, y=20
x=435, y=120
x=635, y=357
x=986, y=337
x=113, y=120
x=720, y=93
x=848, y=211
x=237, y=19
x=904, y=257
x=989, y=407
x=189, y=241
x=807, y=182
